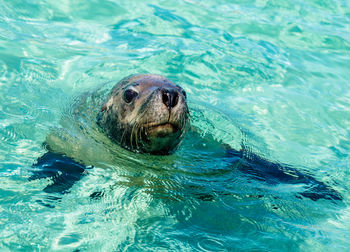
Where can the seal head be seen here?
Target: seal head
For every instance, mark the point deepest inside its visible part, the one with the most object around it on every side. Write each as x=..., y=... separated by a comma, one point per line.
x=145, y=113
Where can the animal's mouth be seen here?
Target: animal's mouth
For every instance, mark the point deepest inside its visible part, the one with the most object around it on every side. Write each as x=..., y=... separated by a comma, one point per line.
x=161, y=129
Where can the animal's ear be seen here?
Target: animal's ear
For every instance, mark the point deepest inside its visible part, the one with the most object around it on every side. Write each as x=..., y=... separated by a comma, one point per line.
x=107, y=105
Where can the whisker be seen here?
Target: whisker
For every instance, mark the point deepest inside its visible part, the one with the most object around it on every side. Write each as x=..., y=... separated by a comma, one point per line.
x=132, y=133
x=121, y=139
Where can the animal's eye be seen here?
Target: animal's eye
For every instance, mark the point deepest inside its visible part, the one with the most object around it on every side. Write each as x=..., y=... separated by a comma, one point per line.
x=129, y=95
x=184, y=94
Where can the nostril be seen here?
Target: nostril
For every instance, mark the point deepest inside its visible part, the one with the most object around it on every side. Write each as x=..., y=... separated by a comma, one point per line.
x=165, y=98
x=170, y=98
x=175, y=99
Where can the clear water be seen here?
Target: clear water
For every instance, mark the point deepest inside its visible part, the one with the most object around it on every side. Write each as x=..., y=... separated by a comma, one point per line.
x=272, y=75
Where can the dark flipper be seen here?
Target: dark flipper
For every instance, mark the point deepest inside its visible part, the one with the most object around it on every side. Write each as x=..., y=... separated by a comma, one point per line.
x=274, y=173
x=63, y=171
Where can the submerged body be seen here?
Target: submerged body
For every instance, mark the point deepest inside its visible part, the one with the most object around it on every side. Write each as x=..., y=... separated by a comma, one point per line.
x=149, y=114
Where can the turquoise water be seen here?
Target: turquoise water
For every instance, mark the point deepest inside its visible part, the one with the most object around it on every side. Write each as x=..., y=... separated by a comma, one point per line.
x=273, y=76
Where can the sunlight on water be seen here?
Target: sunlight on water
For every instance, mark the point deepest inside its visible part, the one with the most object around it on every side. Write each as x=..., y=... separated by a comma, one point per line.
x=266, y=75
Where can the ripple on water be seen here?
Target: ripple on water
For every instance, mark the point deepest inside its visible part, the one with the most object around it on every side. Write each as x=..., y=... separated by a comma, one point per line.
x=211, y=244
x=269, y=76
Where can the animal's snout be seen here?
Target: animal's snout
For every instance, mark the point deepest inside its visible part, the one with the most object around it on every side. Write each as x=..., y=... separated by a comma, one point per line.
x=170, y=97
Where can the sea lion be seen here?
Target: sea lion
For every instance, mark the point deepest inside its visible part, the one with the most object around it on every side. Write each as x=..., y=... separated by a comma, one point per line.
x=147, y=113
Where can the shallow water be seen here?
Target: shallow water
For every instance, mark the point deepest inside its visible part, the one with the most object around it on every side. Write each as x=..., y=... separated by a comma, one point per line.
x=272, y=76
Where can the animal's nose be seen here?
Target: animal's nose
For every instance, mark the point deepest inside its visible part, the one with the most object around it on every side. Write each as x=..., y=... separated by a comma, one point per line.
x=170, y=97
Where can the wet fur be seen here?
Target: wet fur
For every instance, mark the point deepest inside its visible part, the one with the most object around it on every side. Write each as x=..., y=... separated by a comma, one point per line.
x=128, y=124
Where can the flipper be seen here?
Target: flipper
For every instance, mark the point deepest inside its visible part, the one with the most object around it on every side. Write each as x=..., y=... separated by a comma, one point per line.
x=274, y=173
x=63, y=171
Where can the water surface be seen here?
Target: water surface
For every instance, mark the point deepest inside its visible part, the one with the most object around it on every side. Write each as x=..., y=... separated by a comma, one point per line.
x=272, y=76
